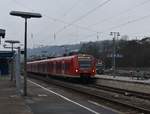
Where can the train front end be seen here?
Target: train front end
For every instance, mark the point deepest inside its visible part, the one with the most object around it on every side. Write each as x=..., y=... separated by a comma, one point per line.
x=86, y=66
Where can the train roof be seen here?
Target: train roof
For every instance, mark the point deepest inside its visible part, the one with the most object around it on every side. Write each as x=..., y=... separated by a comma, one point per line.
x=59, y=58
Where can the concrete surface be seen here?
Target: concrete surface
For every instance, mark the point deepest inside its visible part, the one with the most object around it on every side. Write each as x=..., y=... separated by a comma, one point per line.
x=48, y=99
x=10, y=103
x=45, y=99
x=124, y=83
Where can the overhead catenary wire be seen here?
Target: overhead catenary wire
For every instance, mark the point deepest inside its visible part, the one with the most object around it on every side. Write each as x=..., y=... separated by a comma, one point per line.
x=56, y=19
x=83, y=27
x=86, y=28
x=121, y=13
x=128, y=22
x=71, y=8
x=121, y=25
x=75, y=25
x=83, y=16
x=20, y=4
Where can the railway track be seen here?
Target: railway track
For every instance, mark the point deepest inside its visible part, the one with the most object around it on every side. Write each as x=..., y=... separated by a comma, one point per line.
x=145, y=96
x=97, y=92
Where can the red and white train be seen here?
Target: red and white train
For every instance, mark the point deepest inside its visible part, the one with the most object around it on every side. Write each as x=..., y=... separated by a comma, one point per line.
x=74, y=66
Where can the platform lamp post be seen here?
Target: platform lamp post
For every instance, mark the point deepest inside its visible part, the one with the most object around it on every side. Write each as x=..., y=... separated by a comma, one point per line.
x=12, y=42
x=2, y=34
x=25, y=15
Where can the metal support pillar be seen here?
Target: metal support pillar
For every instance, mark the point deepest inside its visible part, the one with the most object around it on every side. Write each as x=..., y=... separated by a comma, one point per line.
x=12, y=63
x=17, y=73
x=25, y=59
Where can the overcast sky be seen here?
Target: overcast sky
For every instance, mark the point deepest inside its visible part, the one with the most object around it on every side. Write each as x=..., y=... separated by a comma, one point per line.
x=74, y=21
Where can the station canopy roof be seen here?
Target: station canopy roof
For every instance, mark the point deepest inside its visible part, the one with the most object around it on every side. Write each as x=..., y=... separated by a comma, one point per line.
x=5, y=54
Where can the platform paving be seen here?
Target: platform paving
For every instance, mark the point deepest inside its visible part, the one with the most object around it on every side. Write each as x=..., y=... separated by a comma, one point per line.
x=10, y=103
x=43, y=101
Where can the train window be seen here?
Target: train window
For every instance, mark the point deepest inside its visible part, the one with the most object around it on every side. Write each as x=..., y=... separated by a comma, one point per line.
x=63, y=66
x=85, y=64
x=43, y=65
x=52, y=66
x=66, y=66
x=58, y=65
x=39, y=67
x=46, y=67
x=49, y=66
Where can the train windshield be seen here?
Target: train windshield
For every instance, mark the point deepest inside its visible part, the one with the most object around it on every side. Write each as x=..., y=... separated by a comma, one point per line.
x=85, y=63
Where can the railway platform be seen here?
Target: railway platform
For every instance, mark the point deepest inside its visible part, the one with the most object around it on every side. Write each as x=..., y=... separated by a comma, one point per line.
x=10, y=103
x=44, y=99
x=48, y=99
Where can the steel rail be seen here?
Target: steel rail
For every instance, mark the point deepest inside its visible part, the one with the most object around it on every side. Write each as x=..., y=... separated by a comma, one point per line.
x=125, y=92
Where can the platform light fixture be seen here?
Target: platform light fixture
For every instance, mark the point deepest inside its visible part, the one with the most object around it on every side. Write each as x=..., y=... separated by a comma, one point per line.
x=25, y=15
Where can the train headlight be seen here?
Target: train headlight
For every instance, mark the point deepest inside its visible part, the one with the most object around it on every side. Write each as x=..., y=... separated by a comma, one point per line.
x=93, y=70
x=77, y=70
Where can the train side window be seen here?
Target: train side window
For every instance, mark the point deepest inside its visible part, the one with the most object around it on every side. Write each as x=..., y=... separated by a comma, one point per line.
x=63, y=66
x=49, y=66
x=52, y=66
x=56, y=65
x=43, y=67
x=60, y=65
x=66, y=66
x=38, y=67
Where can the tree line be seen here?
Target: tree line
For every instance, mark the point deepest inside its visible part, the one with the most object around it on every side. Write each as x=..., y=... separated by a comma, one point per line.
x=129, y=53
